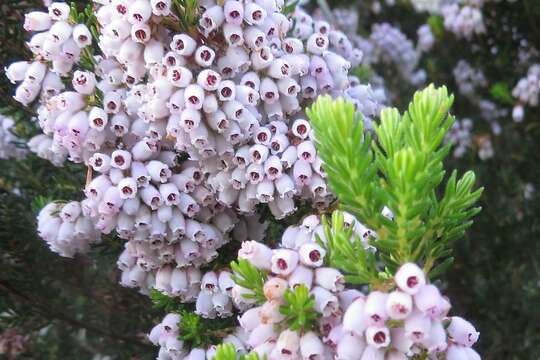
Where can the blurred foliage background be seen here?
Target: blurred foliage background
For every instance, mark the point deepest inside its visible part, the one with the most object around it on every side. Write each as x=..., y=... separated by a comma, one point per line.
x=61, y=308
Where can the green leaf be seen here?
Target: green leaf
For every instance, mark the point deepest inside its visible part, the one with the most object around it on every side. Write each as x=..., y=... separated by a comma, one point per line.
x=403, y=170
x=298, y=309
x=346, y=152
x=500, y=91
x=225, y=352
x=436, y=23
x=249, y=277
x=290, y=7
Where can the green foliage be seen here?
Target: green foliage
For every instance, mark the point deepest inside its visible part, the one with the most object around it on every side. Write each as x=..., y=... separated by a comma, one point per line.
x=402, y=169
x=200, y=332
x=228, y=352
x=187, y=14
x=346, y=252
x=436, y=23
x=249, y=277
x=500, y=91
x=298, y=309
x=363, y=72
x=165, y=302
x=87, y=17
x=290, y=7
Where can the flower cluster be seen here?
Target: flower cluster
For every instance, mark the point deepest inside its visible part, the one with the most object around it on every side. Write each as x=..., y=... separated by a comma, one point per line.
x=8, y=140
x=229, y=95
x=426, y=39
x=464, y=19
x=485, y=147
x=392, y=46
x=431, y=6
x=58, y=43
x=167, y=334
x=460, y=135
x=344, y=323
x=407, y=321
x=412, y=319
x=526, y=92
x=66, y=228
x=468, y=79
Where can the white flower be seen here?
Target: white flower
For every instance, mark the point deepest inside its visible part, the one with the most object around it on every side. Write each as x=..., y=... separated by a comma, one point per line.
x=410, y=278
x=462, y=331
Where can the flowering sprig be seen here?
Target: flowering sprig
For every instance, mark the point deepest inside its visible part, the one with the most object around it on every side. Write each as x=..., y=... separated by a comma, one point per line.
x=403, y=170
x=299, y=309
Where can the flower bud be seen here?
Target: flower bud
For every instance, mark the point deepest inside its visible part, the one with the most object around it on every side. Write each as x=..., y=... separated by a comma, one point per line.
x=302, y=173
x=287, y=346
x=233, y=34
x=417, y=326
x=37, y=21
x=209, y=80
x=275, y=288
x=317, y=44
x=410, y=278
x=330, y=279
x=398, y=305
x=284, y=261
x=350, y=347
x=256, y=253
x=354, y=319
x=212, y=18
x=204, y=56
x=121, y=159
x=139, y=11
x=301, y=276
x=59, y=32
x=261, y=334
x=372, y=353
x=378, y=337
x=462, y=331
x=181, y=77
x=428, y=300
x=325, y=302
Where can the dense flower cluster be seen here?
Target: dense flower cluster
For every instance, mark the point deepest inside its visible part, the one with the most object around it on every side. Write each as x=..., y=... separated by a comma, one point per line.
x=461, y=136
x=9, y=148
x=426, y=39
x=66, y=228
x=409, y=320
x=464, y=18
x=392, y=45
x=166, y=336
x=228, y=95
x=526, y=92
x=468, y=78
x=431, y=6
